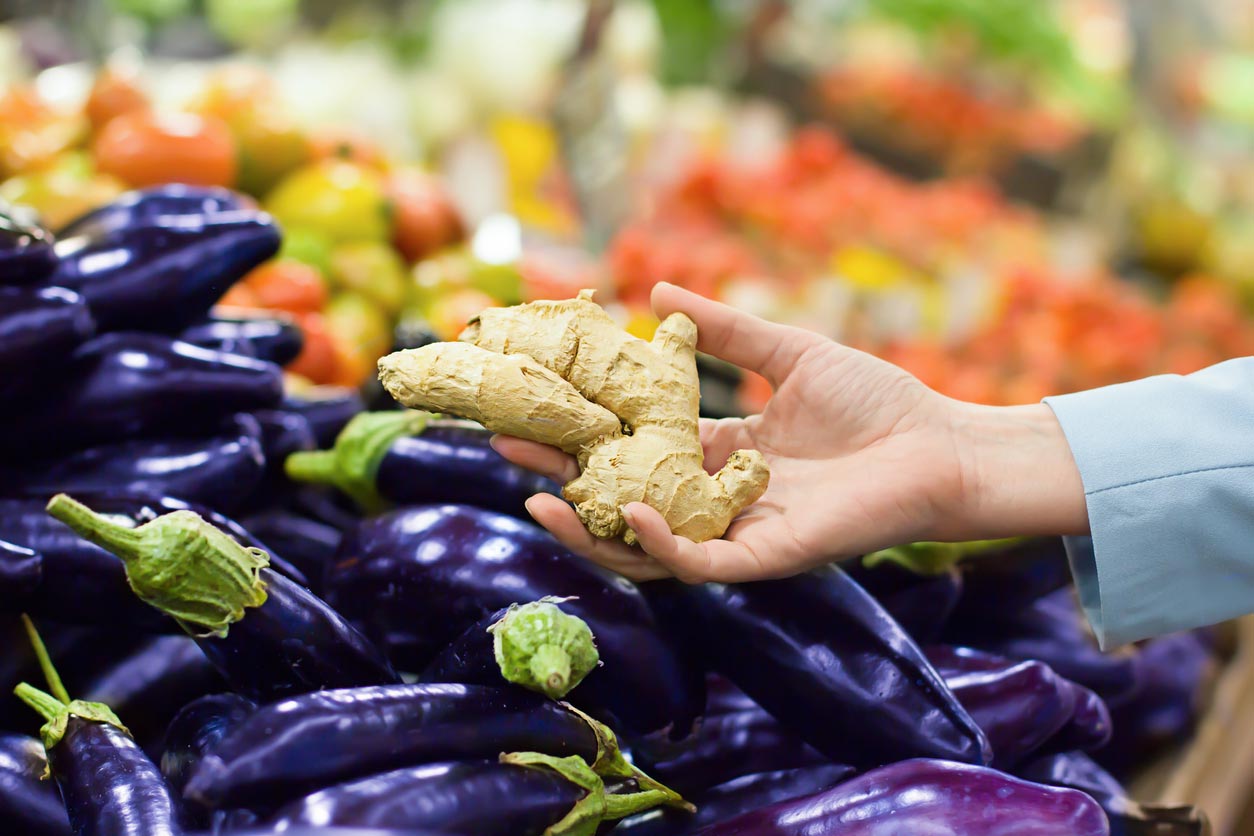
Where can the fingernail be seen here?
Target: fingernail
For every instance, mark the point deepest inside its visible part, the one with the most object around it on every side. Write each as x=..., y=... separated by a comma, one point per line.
x=492, y=442
x=529, y=504
x=629, y=517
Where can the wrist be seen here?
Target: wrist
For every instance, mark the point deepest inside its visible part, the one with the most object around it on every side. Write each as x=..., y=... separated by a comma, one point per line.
x=1018, y=473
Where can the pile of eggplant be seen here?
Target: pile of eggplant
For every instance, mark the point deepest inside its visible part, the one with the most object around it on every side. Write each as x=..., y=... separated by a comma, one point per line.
x=153, y=467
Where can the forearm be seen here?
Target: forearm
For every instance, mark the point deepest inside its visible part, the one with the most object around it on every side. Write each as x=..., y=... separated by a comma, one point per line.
x=1019, y=475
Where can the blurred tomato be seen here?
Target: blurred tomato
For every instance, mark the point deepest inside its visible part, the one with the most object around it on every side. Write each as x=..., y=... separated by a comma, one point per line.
x=287, y=285
x=424, y=219
x=33, y=133
x=340, y=201
x=145, y=149
x=62, y=191
x=345, y=145
x=449, y=313
x=317, y=360
x=113, y=93
x=270, y=148
x=372, y=269
x=358, y=324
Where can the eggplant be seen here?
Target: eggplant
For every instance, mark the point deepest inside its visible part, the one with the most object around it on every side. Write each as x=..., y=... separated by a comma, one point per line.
x=81, y=582
x=26, y=253
x=307, y=544
x=129, y=385
x=153, y=206
x=21, y=571
x=1023, y=706
x=417, y=577
x=196, y=730
x=937, y=798
x=921, y=604
x=267, y=337
x=268, y=636
x=1077, y=771
x=327, y=409
x=109, y=786
x=483, y=797
x=384, y=459
x=39, y=329
x=1010, y=579
x=723, y=697
x=282, y=434
x=1174, y=671
x=219, y=470
x=737, y=796
x=28, y=805
x=164, y=274
x=1049, y=629
x=825, y=659
x=152, y=684
x=296, y=746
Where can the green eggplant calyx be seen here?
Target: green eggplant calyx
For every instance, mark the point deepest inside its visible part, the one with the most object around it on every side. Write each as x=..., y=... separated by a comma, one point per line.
x=610, y=763
x=542, y=648
x=589, y=811
x=927, y=558
x=351, y=465
x=178, y=563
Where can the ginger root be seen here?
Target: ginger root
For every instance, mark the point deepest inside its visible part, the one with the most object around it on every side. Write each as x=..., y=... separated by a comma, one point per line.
x=563, y=373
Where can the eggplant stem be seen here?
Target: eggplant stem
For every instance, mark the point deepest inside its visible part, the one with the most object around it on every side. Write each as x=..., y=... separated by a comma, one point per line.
x=46, y=705
x=96, y=528
x=45, y=662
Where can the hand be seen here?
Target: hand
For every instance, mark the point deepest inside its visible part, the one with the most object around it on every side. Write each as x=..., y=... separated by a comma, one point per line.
x=862, y=456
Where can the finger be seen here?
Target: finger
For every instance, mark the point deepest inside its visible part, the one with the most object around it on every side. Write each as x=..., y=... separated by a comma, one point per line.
x=720, y=561
x=720, y=438
x=541, y=458
x=764, y=347
x=561, y=521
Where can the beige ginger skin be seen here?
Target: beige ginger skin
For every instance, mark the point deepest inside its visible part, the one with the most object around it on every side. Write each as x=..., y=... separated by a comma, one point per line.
x=564, y=374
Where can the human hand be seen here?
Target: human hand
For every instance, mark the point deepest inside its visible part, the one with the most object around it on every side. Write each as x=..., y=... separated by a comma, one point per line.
x=862, y=456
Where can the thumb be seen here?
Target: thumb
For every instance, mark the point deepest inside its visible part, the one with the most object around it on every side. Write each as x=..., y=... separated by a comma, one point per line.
x=745, y=340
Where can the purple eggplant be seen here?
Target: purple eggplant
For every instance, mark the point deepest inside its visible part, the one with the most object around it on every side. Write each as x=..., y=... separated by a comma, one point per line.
x=1008, y=579
x=733, y=798
x=318, y=830
x=194, y=732
x=417, y=577
x=920, y=603
x=151, y=685
x=83, y=583
x=826, y=660
x=327, y=409
x=1050, y=629
x=382, y=459
x=1077, y=771
x=28, y=805
x=1174, y=671
x=163, y=275
x=220, y=470
x=1023, y=706
x=303, y=744
x=21, y=570
x=283, y=434
x=937, y=798
x=723, y=697
x=109, y=786
x=154, y=206
x=127, y=385
x=269, y=636
x=26, y=253
x=39, y=330
x=307, y=544
x=267, y=337
x=482, y=797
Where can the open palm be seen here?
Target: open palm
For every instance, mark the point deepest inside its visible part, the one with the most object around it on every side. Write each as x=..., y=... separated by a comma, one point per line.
x=861, y=455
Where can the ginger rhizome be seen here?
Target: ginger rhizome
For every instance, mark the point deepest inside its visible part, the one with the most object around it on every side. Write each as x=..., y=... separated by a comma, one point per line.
x=563, y=373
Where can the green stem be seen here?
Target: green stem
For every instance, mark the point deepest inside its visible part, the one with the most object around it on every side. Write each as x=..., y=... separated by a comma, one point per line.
x=46, y=705
x=96, y=528
x=628, y=804
x=589, y=811
x=550, y=669
x=315, y=466
x=540, y=647
x=45, y=662
x=611, y=763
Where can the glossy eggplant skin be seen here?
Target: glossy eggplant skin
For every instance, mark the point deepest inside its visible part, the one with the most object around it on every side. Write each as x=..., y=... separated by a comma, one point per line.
x=483, y=797
x=1023, y=706
x=273, y=340
x=826, y=660
x=921, y=604
x=196, y=730
x=166, y=274
x=219, y=470
x=127, y=385
x=109, y=785
x=39, y=328
x=152, y=684
x=327, y=412
x=299, y=745
x=282, y=433
x=26, y=253
x=727, y=746
x=939, y=798
x=28, y=805
x=733, y=798
x=1049, y=629
x=417, y=577
x=293, y=644
x=150, y=206
x=21, y=570
x=452, y=462
x=80, y=582
x=306, y=543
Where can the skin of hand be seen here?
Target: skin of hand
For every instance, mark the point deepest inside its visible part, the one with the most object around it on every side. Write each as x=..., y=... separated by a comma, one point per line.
x=862, y=455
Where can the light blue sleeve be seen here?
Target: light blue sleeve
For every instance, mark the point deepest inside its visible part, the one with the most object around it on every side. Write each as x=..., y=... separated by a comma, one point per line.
x=1168, y=469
